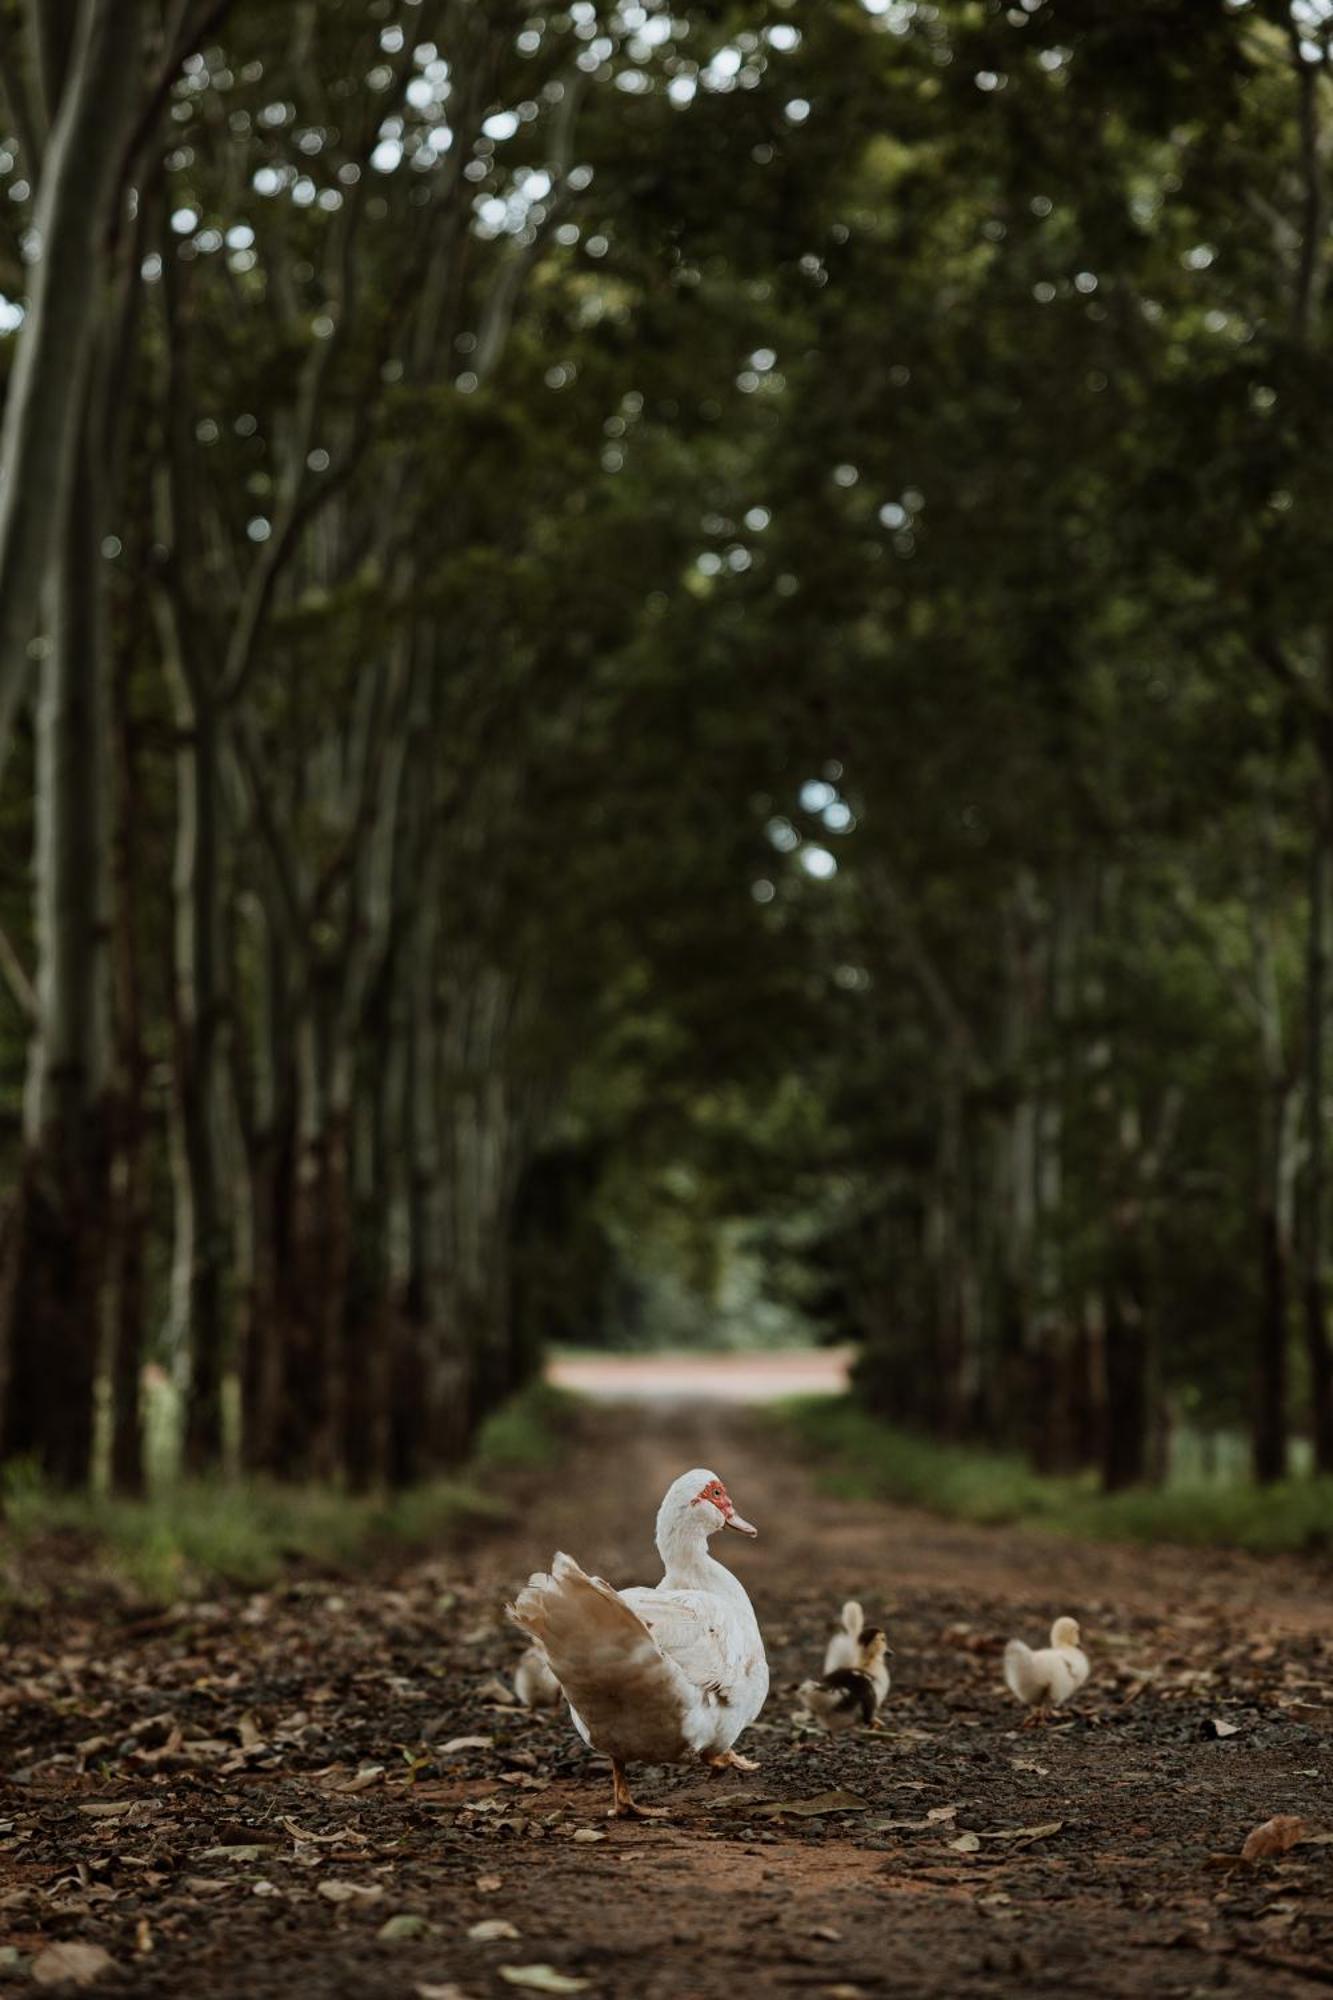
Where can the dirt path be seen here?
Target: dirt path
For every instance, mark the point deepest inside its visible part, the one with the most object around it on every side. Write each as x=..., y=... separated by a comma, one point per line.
x=238, y=1800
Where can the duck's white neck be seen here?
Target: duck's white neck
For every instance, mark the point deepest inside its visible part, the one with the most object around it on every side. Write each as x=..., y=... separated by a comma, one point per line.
x=682, y=1543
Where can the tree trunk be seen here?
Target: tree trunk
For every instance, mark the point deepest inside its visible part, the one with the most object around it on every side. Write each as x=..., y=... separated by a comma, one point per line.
x=200, y=1239
x=129, y=1174
x=57, y=1238
x=1270, y=1425
x=1127, y=1359
x=1314, y=1277
x=43, y=403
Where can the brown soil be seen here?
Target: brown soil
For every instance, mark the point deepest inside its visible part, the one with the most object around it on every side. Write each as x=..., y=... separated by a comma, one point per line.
x=196, y=1795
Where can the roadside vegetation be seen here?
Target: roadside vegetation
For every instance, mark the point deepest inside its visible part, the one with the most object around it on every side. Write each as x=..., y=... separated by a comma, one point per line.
x=860, y=1457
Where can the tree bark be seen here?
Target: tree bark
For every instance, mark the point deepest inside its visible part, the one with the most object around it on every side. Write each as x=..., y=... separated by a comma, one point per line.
x=44, y=403
x=1314, y=1277
x=58, y=1238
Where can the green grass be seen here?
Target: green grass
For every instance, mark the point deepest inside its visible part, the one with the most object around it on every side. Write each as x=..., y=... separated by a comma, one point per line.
x=861, y=1458
x=531, y=1430
x=192, y=1536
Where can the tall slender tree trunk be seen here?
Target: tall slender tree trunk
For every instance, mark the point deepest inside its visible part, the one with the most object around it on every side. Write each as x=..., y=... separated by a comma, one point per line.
x=200, y=1237
x=129, y=1174
x=97, y=76
x=57, y=1238
x=1314, y=1276
x=1126, y=1348
x=1270, y=1423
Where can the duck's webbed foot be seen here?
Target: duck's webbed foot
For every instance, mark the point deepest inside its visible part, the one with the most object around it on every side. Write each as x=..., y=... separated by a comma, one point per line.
x=624, y=1806
x=730, y=1760
x=1036, y=1717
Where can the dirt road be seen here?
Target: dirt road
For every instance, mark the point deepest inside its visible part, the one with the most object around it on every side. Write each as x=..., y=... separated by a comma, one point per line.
x=314, y=1792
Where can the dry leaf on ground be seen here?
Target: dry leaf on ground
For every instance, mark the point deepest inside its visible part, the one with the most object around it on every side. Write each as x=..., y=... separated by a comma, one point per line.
x=541, y=1979
x=75, y=1964
x=1275, y=1836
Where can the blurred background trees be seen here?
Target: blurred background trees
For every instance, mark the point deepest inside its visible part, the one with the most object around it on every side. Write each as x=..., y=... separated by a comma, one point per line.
x=669, y=673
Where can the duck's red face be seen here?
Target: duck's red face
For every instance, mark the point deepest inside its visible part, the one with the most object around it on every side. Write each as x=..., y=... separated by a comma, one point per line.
x=716, y=1495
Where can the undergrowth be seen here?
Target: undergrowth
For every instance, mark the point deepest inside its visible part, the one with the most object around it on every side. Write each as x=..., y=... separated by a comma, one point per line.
x=192, y=1535
x=860, y=1457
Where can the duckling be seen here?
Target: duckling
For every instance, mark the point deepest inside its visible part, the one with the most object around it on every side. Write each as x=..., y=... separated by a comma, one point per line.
x=873, y=1655
x=1045, y=1678
x=534, y=1683
x=850, y=1697
x=844, y=1646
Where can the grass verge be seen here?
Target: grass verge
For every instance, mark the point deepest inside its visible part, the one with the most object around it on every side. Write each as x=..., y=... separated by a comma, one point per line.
x=859, y=1457
x=195, y=1535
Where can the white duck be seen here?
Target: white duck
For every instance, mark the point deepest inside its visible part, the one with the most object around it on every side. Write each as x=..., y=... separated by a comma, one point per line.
x=1049, y=1675
x=664, y=1675
x=844, y=1646
x=534, y=1683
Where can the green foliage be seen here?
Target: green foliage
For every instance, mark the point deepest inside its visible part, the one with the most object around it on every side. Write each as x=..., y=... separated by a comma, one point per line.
x=860, y=1457
x=529, y=1431
x=193, y=1536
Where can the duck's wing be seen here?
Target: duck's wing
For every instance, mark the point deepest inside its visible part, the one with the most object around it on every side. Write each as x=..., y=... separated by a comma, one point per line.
x=694, y=1632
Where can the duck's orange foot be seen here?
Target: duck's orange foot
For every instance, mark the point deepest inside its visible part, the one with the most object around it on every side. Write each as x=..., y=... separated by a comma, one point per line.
x=731, y=1760
x=623, y=1806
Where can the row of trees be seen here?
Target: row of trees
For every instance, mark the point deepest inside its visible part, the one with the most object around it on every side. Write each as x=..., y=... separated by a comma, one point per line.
x=620, y=619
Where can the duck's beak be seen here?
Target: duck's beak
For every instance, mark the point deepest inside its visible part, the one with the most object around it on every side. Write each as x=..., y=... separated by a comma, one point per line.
x=740, y=1524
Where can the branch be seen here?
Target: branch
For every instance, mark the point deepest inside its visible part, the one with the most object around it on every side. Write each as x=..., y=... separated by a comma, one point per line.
x=16, y=979
x=18, y=98
x=192, y=24
x=1314, y=205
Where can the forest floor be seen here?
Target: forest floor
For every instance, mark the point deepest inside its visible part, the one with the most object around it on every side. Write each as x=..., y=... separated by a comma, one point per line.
x=316, y=1791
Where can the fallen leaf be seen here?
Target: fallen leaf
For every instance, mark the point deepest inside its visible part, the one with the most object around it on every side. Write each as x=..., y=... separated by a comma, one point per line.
x=335, y=1891
x=496, y=1691
x=108, y=1808
x=235, y=1853
x=252, y=1736
x=937, y=1816
x=828, y=1933
x=465, y=1743
x=406, y=1925
x=966, y=1843
x=446, y=1992
x=541, y=1979
x=1026, y=1833
x=588, y=1834
x=368, y=1775
x=488, y=1884
x=1275, y=1836
x=79, y=1964
x=491, y=1929
x=1216, y=1726
x=822, y=1802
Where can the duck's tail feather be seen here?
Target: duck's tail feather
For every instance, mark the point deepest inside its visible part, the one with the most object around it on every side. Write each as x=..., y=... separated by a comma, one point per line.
x=601, y=1652
x=1022, y=1676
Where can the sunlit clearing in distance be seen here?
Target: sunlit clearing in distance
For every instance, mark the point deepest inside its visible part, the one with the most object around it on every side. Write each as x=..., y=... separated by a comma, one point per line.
x=818, y=862
x=783, y=835
x=762, y=890
x=837, y=817
x=815, y=795
x=11, y=316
